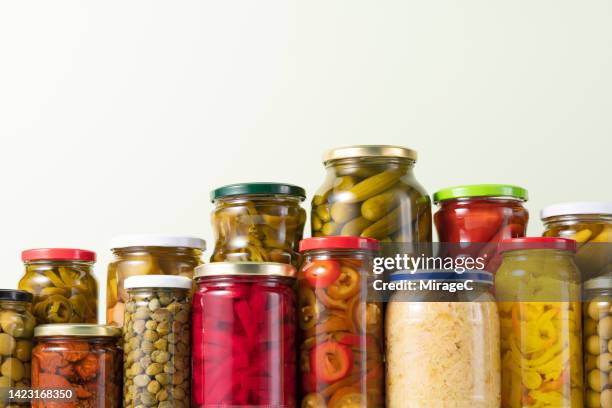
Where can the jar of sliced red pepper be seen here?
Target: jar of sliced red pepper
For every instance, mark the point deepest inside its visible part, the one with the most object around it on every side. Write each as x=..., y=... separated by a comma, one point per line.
x=481, y=215
x=341, y=349
x=244, y=335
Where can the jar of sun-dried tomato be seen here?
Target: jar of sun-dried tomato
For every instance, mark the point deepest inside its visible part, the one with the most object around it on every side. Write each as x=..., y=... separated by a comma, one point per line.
x=77, y=365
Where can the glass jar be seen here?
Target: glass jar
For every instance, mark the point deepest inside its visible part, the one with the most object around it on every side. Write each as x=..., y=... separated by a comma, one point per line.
x=147, y=255
x=156, y=342
x=479, y=216
x=589, y=224
x=597, y=326
x=244, y=335
x=16, y=332
x=341, y=349
x=442, y=344
x=371, y=191
x=538, y=292
x=258, y=222
x=63, y=285
x=81, y=360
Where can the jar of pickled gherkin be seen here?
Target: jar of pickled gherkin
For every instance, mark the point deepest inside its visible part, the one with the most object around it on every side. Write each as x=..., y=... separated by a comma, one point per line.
x=597, y=326
x=16, y=332
x=76, y=365
x=244, y=335
x=589, y=224
x=341, y=342
x=538, y=292
x=147, y=255
x=371, y=191
x=258, y=222
x=442, y=341
x=62, y=282
x=156, y=342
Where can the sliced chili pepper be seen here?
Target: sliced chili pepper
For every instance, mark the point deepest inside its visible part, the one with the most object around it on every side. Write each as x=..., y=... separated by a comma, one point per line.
x=332, y=324
x=347, y=397
x=331, y=361
x=329, y=301
x=321, y=273
x=308, y=308
x=346, y=286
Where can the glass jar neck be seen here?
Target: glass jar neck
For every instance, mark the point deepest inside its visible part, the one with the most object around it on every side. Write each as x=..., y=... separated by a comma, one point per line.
x=17, y=305
x=69, y=263
x=338, y=253
x=537, y=253
x=140, y=292
x=487, y=200
x=259, y=198
x=61, y=340
x=382, y=163
x=561, y=220
x=158, y=251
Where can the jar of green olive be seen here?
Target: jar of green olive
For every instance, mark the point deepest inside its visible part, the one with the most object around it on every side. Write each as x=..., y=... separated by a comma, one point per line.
x=16, y=331
x=156, y=342
x=258, y=222
x=62, y=282
x=147, y=254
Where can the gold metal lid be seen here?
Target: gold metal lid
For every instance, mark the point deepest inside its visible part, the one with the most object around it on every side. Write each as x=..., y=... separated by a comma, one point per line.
x=369, y=151
x=244, y=269
x=77, y=330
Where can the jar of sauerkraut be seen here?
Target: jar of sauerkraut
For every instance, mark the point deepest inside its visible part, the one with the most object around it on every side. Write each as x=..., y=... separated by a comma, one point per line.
x=442, y=337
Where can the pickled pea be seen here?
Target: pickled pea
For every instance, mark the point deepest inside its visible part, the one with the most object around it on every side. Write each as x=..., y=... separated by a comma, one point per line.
x=259, y=222
x=64, y=291
x=374, y=197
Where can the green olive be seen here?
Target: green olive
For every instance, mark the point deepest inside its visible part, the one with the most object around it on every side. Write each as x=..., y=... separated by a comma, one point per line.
x=7, y=344
x=12, y=368
x=23, y=350
x=12, y=323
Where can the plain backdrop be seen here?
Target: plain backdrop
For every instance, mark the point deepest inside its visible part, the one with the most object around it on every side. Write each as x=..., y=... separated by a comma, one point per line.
x=121, y=116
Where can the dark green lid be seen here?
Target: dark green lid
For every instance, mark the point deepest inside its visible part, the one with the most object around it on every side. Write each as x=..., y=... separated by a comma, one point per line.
x=258, y=189
x=480, y=190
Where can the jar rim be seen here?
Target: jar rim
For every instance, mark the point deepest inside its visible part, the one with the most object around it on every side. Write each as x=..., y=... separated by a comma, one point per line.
x=16, y=295
x=257, y=188
x=58, y=254
x=157, y=282
x=157, y=240
x=357, y=151
x=576, y=208
x=481, y=190
x=77, y=330
x=244, y=269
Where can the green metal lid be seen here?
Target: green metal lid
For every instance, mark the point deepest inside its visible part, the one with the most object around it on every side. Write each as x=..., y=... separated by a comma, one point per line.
x=257, y=189
x=480, y=190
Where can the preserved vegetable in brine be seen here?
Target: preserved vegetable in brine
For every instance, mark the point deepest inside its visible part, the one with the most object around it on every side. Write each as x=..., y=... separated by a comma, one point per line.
x=63, y=285
x=341, y=350
x=370, y=191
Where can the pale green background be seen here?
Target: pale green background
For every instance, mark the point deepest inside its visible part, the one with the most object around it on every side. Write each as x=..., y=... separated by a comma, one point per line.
x=120, y=116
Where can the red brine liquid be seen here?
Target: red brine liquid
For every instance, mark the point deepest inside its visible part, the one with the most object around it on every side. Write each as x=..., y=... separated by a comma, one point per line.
x=244, y=342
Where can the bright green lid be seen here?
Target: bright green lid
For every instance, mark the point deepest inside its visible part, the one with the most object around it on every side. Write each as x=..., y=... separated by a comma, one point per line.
x=257, y=189
x=480, y=190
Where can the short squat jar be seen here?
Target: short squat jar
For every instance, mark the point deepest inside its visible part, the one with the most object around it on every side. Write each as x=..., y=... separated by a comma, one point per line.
x=16, y=332
x=244, y=350
x=258, y=222
x=147, y=255
x=62, y=282
x=156, y=342
x=590, y=225
x=79, y=363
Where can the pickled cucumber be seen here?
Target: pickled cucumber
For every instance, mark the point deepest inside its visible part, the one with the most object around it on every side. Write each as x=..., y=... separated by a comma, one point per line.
x=382, y=202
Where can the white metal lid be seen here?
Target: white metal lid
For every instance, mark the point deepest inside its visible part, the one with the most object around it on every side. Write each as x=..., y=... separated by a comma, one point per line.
x=576, y=208
x=600, y=282
x=157, y=281
x=157, y=240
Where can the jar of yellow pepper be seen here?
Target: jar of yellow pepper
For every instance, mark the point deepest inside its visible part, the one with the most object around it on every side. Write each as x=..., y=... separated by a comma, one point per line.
x=538, y=290
x=589, y=223
x=63, y=285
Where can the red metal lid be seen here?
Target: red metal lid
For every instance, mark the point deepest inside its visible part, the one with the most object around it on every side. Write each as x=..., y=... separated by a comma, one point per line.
x=514, y=244
x=337, y=242
x=58, y=254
